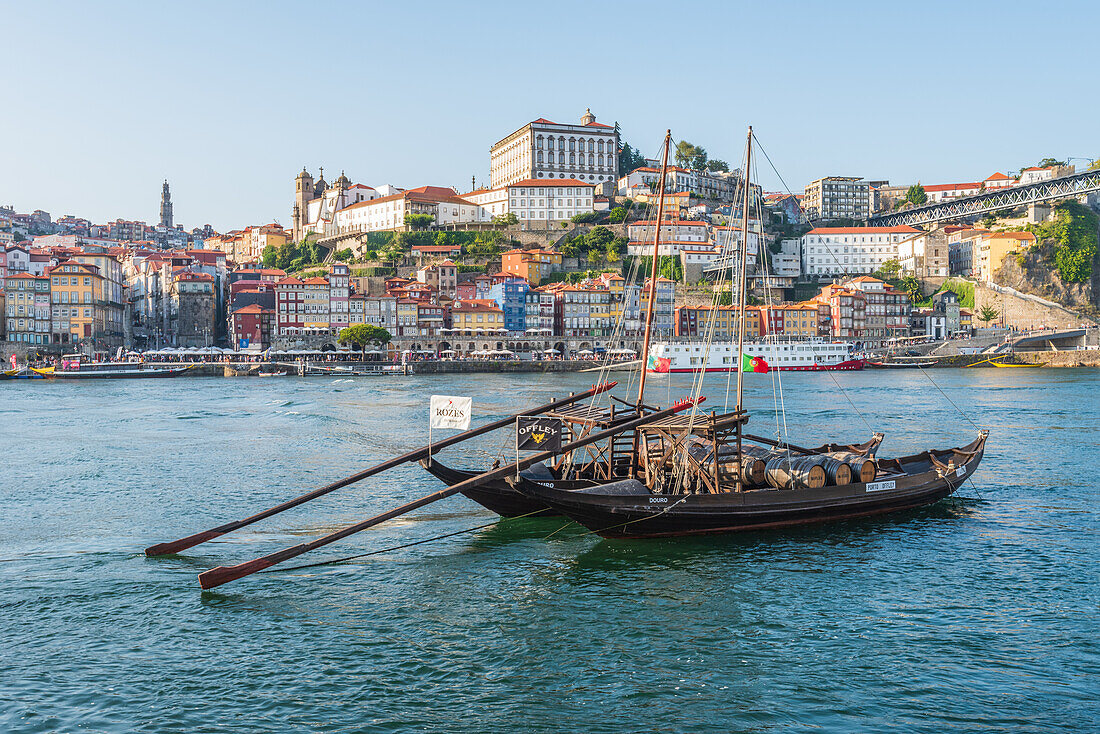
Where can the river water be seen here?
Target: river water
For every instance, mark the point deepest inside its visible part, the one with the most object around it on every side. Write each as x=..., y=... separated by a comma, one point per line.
x=978, y=614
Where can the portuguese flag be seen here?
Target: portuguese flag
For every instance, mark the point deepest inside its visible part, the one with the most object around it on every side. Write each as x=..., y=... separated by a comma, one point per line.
x=658, y=364
x=753, y=364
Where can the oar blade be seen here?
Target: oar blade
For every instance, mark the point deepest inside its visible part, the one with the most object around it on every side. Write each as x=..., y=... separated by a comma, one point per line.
x=164, y=549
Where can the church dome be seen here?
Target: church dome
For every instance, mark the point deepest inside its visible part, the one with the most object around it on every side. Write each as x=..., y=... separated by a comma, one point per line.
x=304, y=173
x=342, y=182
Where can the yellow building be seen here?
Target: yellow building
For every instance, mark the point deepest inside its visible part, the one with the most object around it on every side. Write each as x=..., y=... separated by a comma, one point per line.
x=77, y=307
x=469, y=317
x=315, y=297
x=694, y=321
x=993, y=246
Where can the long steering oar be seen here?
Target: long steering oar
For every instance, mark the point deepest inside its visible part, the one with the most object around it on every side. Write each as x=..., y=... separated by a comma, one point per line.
x=190, y=541
x=224, y=574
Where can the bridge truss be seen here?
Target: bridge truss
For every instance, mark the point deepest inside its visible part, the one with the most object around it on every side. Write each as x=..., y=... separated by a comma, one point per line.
x=1059, y=188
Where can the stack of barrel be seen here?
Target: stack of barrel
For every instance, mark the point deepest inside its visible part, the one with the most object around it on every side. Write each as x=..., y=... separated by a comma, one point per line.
x=790, y=470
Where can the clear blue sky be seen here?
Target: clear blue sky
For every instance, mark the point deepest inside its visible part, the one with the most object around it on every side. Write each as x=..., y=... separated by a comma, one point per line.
x=101, y=101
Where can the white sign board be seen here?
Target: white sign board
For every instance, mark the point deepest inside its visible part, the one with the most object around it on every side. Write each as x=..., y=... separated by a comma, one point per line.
x=451, y=412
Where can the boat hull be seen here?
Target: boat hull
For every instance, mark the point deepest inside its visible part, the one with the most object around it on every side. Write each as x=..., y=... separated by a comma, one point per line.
x=641, y=514
x=115, y=374
x=848, y=365
x=497, y=496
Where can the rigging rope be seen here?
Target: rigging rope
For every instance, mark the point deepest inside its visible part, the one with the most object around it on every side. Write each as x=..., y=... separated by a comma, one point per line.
x=397, y=547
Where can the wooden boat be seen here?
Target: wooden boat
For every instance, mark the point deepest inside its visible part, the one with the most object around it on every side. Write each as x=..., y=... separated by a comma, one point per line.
x=631, y=509
x=1006, y=364
x=94, y=374
x=271, y=374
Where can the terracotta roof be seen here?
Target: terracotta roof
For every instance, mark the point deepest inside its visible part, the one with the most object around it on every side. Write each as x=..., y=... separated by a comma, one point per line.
x=1010, y=236
x=201, y=277
x=900, y=229
x=998, y=176
x=536, y=182
x=953, y=187
x=254, y=308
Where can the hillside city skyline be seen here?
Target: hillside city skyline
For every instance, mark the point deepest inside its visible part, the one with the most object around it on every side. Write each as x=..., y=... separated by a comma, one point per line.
x=214, y=102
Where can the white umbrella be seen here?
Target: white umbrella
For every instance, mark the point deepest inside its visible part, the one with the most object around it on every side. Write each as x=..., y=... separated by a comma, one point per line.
x=586, y=351
x=552, y=351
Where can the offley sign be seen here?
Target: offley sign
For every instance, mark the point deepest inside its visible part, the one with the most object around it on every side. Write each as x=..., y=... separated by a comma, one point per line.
x=534, y=433
x=450, y=412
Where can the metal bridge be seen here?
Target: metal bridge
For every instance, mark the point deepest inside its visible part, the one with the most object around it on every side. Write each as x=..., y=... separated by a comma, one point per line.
x=1059, y=188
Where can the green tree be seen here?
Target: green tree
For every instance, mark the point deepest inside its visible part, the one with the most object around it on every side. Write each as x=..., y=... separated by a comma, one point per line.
x=889, y=270
x=911, y=287
x=361, y=335
x=987, y=314
x=1048, y=162
x=617, y=215
x=718, y=165
x=271, y=254
x=509, y=218
x=584, y=217
x=1074, y=231
x=593, y=257
x=689, y=155
x=419, y=221
x=916, y=195
x=611, y=253
x=630, y=158
x=344, y=255
x=1095, y=165
x=599, y=237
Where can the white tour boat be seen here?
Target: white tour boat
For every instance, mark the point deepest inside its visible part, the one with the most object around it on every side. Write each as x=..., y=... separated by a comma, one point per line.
x=810, y=355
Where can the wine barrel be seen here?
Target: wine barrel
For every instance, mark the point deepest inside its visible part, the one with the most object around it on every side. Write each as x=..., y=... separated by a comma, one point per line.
x=753, y=471
x=863, y=467
x=836, y=471
x=795, y=473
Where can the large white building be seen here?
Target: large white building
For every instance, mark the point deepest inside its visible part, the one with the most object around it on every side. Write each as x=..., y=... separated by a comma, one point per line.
x=710, y=184
x=535, y=202
x=542, y=149
x=829, y=251
x=388, y=212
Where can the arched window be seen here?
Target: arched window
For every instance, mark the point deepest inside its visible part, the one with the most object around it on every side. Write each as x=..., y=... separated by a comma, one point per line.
x=601, y=160
x=591, y=145
x=600, y=146
x=561, y=142
x=561, y=158
x=572, y=144
x=540, y=156
x=591, y=159
x=538, y=142
x=572, y=159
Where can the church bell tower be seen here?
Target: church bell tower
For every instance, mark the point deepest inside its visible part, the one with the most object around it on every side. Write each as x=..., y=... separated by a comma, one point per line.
x=165, y=206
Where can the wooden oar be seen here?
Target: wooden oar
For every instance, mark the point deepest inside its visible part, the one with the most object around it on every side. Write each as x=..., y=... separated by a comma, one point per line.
x=224, y=574
x=190, y=541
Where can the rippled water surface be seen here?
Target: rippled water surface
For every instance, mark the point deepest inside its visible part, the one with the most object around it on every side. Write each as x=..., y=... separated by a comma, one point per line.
x=974, y=615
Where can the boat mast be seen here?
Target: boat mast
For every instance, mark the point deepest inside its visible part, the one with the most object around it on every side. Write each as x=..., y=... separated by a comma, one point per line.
x=744, y=280
x=653, y=268
x=741, y=303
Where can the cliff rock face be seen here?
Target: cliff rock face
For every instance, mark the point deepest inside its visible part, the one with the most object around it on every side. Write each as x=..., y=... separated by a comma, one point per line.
x=1033, y=272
